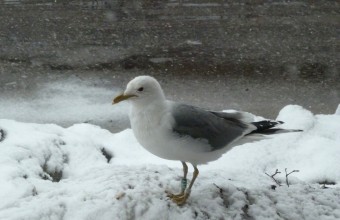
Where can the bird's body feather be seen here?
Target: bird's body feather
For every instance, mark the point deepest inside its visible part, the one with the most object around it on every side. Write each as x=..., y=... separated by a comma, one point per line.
x=182, y=132
x=186, y=133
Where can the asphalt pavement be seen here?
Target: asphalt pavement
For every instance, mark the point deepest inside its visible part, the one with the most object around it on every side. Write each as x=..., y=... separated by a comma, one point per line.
x=252, y=56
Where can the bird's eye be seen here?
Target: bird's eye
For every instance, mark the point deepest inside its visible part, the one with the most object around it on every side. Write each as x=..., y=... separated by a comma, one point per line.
x=140, y=89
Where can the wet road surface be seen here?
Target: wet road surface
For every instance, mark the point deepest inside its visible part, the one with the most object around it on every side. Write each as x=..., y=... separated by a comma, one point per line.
x=66, y=65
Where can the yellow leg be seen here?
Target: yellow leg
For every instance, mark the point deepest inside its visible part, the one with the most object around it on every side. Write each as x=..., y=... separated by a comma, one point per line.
x=180, y=200
x=183, y=183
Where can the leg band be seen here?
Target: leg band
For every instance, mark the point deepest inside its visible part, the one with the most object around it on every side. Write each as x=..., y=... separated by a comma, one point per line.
x=184, y=184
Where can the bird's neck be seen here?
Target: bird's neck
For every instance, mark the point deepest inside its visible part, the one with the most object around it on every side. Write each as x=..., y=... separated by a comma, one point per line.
x=150, y=108
x=147, y=117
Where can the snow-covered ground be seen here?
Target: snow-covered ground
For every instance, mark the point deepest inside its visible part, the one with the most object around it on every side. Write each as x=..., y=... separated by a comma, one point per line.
x=86, y=172
x=63, y=101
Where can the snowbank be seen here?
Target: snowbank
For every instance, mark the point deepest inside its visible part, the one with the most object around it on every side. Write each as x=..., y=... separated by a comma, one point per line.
x=64, y=102
x=85, y=172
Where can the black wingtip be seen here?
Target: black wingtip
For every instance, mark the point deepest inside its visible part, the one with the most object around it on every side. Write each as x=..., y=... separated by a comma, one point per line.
x=265, y=125
x=268, y=127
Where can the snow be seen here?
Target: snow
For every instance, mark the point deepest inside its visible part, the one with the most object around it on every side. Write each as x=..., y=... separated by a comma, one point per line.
x=337, y=112
x=51, y=172
x=193, y=42
x=64, y=102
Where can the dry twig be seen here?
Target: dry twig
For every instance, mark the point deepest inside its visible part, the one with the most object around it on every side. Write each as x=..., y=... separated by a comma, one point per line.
x=272, y=177
x=287, y=174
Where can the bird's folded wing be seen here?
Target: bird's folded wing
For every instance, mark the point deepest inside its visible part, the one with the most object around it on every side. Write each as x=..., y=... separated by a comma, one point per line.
x=201, y=124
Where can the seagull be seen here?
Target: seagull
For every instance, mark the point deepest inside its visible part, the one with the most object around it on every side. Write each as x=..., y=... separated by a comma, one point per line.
x=189, y=134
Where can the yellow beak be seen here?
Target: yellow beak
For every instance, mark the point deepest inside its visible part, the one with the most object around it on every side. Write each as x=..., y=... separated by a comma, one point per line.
x=121, y=97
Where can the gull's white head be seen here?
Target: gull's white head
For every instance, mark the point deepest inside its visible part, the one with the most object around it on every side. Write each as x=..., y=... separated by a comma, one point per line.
x=141, y=90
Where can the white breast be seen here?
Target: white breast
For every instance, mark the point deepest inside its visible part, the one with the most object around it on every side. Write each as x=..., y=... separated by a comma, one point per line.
x=151, y=127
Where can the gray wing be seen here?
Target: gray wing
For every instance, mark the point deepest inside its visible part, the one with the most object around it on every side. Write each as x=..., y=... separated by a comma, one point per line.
x=218, y=128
